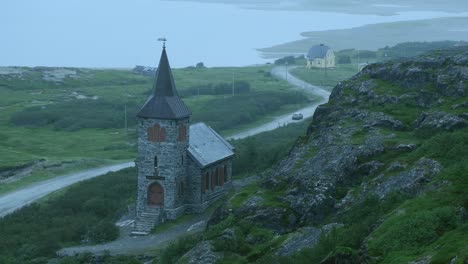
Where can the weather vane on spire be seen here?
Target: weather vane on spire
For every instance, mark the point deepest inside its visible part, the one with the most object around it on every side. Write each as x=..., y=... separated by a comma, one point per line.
x=164, y=41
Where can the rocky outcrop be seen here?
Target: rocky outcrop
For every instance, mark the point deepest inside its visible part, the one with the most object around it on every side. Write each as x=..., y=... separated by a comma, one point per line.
x=306, y=237
x=365, y=144
x=353, y=128
x=410, y=180
x=440, y=120
x=201, y=253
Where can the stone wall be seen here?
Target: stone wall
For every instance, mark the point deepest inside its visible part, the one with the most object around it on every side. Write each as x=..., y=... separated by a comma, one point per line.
x=179, y=175
x=171, y=156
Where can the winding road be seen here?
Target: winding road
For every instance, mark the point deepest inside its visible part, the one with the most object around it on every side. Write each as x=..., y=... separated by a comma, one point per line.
x=17, y=199
x=12, y=201
x=282, y=72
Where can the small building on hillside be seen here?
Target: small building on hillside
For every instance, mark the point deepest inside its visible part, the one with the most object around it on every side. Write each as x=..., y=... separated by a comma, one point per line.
x=320, y=56
x=182, y=168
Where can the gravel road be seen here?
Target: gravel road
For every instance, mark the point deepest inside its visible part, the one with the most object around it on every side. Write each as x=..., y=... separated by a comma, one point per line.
x=12, y=201
x=280, y=72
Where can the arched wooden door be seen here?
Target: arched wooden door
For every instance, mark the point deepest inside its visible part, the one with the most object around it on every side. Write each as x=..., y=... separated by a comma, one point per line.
x=155, y=195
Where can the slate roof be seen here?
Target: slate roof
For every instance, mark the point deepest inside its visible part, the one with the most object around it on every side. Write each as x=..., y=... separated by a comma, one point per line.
x=164, y=102
x=206, y=146
x=318, y=51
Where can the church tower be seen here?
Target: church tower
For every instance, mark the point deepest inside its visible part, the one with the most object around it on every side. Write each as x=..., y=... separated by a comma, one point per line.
x=163, y=136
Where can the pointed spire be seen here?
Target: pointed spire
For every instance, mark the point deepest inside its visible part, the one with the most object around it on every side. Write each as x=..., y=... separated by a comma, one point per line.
x=164, y=103
x=164, y=81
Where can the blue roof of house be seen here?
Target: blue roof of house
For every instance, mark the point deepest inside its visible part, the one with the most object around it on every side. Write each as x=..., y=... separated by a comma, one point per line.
x=206, y=146
x=318, y=51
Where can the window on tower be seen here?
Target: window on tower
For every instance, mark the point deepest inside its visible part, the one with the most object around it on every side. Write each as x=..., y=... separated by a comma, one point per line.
x=156, y=166
x=156, y=133
x=182, y=133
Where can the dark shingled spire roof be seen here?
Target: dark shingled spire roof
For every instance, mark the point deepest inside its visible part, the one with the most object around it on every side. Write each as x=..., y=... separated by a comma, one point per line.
x=164, y=102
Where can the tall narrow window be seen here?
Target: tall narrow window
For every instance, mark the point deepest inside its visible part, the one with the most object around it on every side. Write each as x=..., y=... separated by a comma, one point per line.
x=156, y=166
x=225, y=174
x=221, y=176
x=213, y=175
x=181, y=189
x=182, y=133
x=203, y=183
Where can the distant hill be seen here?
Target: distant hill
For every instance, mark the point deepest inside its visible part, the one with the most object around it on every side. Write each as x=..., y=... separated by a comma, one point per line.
x=373, y=37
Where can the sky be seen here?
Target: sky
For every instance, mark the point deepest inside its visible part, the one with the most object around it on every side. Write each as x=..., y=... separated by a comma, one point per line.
x=122, y=34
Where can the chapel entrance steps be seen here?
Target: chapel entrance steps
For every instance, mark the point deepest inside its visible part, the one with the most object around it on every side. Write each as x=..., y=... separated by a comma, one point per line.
x=145, y=222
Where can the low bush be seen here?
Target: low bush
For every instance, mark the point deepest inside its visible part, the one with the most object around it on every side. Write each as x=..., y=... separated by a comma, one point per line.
x=227, y=113
x=240, y=87
x=76, y=216
x=257, y=153
x=75, y=115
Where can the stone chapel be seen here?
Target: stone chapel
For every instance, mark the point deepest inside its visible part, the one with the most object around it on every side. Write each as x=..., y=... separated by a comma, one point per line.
x=182, y=168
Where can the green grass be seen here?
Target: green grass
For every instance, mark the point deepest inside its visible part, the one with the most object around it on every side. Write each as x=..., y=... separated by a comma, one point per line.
x=52, y=124
x=270, y=197
x=423, y=225
x=258, y=153
x=242, y=196
x=83, y=212
x=326, y=78
x=385, y=88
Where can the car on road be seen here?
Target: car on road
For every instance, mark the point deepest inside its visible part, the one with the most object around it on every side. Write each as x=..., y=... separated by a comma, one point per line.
x=297, y=116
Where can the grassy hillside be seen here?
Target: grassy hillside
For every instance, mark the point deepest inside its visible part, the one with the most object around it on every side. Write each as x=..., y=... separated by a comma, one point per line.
x=326, y=78
x=380, y=178
x=78, y=115
x=85, y=213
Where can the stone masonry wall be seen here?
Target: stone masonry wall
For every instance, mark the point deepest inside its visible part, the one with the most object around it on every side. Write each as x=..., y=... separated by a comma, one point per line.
x=171, y=155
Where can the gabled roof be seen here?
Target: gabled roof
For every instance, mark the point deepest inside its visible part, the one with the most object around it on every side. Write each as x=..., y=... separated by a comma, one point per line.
x=206, y=146
x=164, y=102
x=318, y=51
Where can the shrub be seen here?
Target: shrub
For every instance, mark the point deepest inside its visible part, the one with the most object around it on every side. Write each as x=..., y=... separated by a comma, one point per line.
x=39, y=230
x=76, y=115
x=412, y=231
x=102, y=232
x=177, y=249
x=286, y=60
x=344, y=59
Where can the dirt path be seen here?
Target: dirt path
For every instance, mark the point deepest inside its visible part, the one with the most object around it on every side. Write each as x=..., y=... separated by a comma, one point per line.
x=127, y=244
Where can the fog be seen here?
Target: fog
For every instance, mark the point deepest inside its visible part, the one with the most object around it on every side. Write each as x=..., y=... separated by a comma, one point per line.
x=121, y=34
